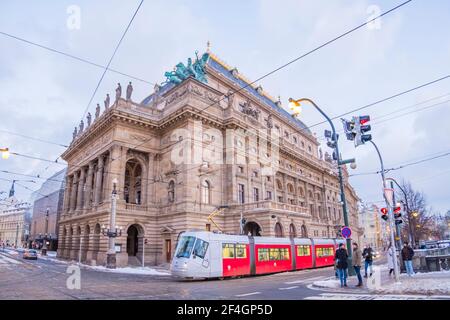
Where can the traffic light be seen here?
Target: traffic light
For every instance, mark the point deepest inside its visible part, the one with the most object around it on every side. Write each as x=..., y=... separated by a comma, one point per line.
x=384, y=214
x=398, y=214
x=349, y=129
x=360, y=130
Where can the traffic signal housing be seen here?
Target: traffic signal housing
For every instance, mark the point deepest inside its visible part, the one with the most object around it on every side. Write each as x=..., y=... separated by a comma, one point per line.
x=360, y=129
x=384, y=214
x=349, y=129
x=398, y=214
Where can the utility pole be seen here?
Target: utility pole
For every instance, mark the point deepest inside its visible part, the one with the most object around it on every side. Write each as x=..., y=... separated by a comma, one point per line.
x=390, y=212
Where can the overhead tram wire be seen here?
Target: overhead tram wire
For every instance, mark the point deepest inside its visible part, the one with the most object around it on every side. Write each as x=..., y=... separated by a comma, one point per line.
x=377, y=120
x=107, y=66
x=291, y=62
x=72, y=56
x=402, y=166
x=112, y=57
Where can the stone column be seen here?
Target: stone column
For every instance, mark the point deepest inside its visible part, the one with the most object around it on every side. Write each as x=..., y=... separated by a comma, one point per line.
x=67, y=191
x=73, y=195
x=88, y=192
x=80, y=189
x=99, y=180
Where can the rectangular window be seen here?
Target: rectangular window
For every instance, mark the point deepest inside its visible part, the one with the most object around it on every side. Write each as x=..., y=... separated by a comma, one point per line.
x=208, y=227
x=263, y=254
x=228, y=251
x=324, y=252
x=278, y=254
x=241, y=251
x=280, y=199
x=303, y=251
x=268, y=195
x=241, y=194
x=241, y=169
x=200, y=248
x=255, y=194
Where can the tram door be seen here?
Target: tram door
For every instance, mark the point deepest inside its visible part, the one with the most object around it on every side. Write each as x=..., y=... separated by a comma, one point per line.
x=168, y=250
x=201, y=257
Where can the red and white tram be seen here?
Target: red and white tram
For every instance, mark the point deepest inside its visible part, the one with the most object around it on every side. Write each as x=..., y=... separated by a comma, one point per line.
x=202, y=254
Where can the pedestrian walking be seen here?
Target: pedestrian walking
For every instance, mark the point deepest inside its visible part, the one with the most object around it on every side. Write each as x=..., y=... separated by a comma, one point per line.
x=368, y=259
x=356, y=262
x=407, y=255
x=390, y=258
x=342, y=265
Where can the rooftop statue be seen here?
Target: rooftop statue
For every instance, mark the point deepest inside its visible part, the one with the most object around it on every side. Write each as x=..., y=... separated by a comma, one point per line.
x=182, y=72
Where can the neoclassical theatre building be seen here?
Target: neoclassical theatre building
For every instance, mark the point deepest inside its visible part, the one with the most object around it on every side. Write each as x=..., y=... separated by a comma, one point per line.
x=199, y=145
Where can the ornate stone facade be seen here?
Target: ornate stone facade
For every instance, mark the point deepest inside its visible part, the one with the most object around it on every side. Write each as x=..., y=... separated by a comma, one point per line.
x=186, y=150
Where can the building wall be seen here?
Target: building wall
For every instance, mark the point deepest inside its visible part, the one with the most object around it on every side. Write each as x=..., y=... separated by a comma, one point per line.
x=12, y=224
x=170, y=154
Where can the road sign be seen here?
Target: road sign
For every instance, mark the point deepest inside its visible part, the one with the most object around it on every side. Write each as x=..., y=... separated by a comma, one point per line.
x=346, y=232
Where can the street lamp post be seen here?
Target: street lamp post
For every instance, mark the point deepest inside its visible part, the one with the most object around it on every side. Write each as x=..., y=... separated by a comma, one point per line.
x=296, y=103
x=112, y=231
x=390, y=212
x=44, y=247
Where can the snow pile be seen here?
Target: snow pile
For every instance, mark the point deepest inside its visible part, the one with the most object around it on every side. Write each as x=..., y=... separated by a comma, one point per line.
x=130, y=270
x=431, y=283
x=331, y=283
x=11, y=252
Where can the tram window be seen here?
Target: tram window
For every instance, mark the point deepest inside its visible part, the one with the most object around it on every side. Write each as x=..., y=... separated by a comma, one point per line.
x=228, y=250
x=324, y=252
x=279, y=254
x=241, y=251
x=303, y=251
x=185, y=247
x=284, y=254
x=200, y=248
x=263, y=254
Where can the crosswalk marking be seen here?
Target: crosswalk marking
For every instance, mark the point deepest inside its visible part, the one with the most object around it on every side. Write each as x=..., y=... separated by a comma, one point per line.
x=288, y=288
x=247, y=294
x=351, y=296
x=5, y=260
x=305, y=280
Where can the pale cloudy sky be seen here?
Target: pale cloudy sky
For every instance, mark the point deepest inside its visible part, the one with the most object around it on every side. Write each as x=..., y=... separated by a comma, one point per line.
x=44, y=94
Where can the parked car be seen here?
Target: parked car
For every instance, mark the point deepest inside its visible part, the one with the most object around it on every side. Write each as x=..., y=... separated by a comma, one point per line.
x=30, y=254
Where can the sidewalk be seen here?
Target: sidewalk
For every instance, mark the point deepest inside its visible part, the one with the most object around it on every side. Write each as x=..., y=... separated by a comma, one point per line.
x=431, y=283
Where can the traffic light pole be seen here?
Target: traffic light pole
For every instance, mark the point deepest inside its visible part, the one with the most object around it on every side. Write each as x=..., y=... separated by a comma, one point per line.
x=391, y=215
x=408, y=212
x=351, y=272
x=397, y=226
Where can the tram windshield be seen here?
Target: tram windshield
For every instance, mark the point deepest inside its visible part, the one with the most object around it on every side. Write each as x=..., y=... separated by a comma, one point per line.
x=185, y=248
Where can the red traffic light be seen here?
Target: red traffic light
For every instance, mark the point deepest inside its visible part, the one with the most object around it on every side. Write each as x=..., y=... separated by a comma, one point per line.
x=397, y=209
x=364, y=119
x=384, y=211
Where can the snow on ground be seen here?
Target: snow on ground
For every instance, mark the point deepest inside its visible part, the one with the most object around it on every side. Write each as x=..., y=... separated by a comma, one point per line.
x=431, y=283
x=331, y=283
x=130, y=270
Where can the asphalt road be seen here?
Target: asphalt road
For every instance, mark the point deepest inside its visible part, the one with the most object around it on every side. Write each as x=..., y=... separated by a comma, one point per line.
x=47, y=279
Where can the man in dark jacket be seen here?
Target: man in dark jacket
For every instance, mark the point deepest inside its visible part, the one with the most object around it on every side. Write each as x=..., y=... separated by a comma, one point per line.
x=407, y=254
x=368, y=259
x=341, y=264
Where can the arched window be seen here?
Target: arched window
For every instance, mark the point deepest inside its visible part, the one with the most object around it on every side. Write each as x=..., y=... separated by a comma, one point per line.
x=292, y=231
x=304, y=232
x=171, y=191
x=132, y=187
x=310, y=194
x=279, y=185
x=278, y=230
x=301, y=192
x=290, y=188
x=206, y=192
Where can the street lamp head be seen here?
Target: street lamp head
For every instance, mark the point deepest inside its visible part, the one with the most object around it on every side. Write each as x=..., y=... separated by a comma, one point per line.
x=353, y=165
x=5, y=153
x=115, y=181
x=295, y=107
